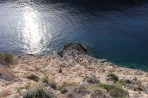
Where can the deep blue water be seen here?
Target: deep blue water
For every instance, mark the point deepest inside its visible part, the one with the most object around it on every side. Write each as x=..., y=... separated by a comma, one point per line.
x=117, y=33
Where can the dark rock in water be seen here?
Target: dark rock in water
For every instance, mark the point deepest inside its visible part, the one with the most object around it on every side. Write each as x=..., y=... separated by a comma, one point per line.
x=76, y=46
x=73, y=49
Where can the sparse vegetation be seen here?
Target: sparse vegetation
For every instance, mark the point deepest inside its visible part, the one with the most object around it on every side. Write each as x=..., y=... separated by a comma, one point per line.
x=63, y=88
x=51, y=83
x=121, y=82
x=98, y=93
x=1, y=56
x=81, y=90
x=91, y=80
x=135, y=79
x=6, y=58
x=33, y=77
x=112, y=77
x=38, y=93
x=72, y=84
x=135, y=85
x=114, y=91
x=20, y=88
x=45, y=80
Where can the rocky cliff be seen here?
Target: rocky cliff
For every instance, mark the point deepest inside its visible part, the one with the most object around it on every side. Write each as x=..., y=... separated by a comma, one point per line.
x=71, y=73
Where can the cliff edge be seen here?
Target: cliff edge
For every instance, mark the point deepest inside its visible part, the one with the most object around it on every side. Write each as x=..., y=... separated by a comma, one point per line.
x=71, y=73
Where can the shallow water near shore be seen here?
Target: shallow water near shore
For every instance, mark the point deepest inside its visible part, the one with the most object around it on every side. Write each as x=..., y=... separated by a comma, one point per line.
x=119, y=34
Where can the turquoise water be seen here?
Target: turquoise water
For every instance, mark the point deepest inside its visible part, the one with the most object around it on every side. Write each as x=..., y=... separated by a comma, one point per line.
x=117, y=33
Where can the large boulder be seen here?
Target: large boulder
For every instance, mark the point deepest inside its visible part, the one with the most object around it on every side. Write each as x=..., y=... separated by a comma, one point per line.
x=73, y=49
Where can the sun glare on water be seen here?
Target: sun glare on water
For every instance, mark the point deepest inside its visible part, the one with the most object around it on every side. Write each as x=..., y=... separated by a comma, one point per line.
x=33, y=37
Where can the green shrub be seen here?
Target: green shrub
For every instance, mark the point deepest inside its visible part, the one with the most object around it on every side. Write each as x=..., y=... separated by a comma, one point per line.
x=51, y=83
x=112, y=77
x=38, y=93
x=45, y=80
x=91, y=80
x=97, y=93
x=20, y=88
x=63, y=88
x=135, y=85
x=81, y=90
x=114, y=91
x=6, y=58
x=1, y=58
x=33, y=77
x=1, y=55
x=121, y=82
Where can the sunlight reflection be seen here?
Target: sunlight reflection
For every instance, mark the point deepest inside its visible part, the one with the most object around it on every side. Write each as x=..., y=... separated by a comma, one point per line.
x=33, y=32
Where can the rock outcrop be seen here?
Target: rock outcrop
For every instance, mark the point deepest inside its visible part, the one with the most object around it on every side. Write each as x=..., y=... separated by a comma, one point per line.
x=73, y=49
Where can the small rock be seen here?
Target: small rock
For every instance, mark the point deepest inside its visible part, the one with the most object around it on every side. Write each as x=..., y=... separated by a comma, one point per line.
x=23, y=92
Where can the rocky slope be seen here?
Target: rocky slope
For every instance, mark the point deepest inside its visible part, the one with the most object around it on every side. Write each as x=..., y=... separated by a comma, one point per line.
x=71, y=73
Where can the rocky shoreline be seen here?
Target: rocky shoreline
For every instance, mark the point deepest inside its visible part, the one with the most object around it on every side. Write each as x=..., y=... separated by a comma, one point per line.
x=71, y=73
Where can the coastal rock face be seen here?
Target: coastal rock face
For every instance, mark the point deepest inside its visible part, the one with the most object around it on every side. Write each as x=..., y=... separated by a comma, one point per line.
x=73, y=49
x=73, y=74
